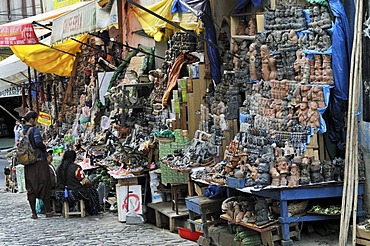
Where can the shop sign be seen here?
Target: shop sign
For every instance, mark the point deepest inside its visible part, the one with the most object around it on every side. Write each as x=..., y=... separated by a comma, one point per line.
x=11, y=92
x=44, y=118
x=76, y=22
x=106, y=19
x=62, y=3
x=18, y=35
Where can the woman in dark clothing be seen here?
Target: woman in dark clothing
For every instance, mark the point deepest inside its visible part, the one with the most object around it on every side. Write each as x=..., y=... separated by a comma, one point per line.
x=70, y=176
x=37, y=175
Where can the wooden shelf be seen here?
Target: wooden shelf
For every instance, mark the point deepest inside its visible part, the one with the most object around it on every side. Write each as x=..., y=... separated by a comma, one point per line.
x=263, y=228
x=243, y=37
x=138, y=85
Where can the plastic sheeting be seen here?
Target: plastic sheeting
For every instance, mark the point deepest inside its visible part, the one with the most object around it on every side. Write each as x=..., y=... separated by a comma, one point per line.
x=202, y=9
x=341, y=55
x=342, y=49
x=47, y=60
x=241, y=5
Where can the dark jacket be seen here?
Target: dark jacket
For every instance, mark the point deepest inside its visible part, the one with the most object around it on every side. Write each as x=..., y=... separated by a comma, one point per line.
x=71, y=180
x=36, y=141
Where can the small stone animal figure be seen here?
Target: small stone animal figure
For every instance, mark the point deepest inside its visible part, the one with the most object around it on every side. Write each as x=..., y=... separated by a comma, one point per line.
x=338, y=169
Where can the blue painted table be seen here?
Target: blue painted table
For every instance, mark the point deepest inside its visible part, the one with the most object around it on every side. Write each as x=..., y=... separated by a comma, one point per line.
x=285, y=194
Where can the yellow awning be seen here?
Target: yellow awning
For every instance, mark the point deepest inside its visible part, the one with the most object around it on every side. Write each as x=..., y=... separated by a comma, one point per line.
x=161, y=30
x=47, y=60
x=154, y=26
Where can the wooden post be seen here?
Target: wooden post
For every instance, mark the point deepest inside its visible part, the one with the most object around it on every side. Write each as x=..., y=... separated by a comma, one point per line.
x=36, y=91
x=70, y=84
x=183, y=116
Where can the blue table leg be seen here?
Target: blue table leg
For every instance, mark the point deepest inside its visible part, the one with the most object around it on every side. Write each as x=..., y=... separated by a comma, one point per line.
x=359, y=209
x=286, y=241
x=191, y=217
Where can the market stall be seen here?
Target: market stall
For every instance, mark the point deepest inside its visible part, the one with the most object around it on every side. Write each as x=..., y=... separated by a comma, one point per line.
x=254, y=145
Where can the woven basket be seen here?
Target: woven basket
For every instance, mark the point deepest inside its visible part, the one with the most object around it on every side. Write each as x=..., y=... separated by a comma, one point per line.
x=294, y=208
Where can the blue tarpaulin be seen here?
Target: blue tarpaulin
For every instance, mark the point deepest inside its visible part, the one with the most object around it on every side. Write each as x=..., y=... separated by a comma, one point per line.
x=341, y=56
x=342, y=49
x=202, y=9
x=241, y=5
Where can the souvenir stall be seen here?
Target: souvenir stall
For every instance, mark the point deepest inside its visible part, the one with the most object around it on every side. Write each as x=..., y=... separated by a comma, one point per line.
x=273, y=99
x=181, y=140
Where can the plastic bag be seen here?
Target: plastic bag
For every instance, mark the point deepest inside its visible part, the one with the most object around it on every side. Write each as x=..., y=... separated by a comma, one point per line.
x=40, y=208
x=214, y=191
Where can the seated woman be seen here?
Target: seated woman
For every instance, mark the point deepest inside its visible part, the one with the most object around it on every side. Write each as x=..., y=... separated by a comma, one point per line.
x=70, y=176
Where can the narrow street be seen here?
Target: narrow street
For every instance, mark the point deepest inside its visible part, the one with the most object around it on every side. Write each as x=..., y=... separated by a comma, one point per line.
x=17, y=227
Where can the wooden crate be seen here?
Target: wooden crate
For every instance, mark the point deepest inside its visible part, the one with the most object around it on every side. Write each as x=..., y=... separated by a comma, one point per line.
x=312, y=149
x=195, y=99
x=362, y=236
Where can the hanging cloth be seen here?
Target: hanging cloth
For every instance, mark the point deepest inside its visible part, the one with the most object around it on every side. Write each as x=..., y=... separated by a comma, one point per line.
x=175, y=73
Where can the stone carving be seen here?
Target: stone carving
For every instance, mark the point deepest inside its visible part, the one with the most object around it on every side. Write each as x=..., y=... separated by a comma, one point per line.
x=261, y=210
x=315, y=172
x=265, y=62
x=252, y=61
x=304, y=166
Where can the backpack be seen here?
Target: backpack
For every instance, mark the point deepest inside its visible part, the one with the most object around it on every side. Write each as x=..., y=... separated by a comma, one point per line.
x=26, y=154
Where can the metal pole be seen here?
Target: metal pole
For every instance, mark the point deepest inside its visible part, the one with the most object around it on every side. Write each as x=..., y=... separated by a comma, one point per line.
x=128, y=46
x=8, y=112
x=7, y=81
x=29, y=89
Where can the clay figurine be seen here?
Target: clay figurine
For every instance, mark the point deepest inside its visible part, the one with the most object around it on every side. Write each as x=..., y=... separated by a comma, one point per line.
x=252, y=53
x=252, y=27
x=293, y=38
x=265, y=62
x=293, y=179
x=241, y=27
x=275, y=176
x=313, y=115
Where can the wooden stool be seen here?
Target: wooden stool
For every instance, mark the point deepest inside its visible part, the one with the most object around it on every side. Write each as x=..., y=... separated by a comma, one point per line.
x=176, y=190
x=67, y=213
x=53, y=205
x=274, y=235
x=203, y=206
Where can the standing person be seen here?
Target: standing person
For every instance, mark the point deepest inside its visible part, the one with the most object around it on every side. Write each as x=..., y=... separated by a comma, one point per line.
x=37, y=175
x=17, y=130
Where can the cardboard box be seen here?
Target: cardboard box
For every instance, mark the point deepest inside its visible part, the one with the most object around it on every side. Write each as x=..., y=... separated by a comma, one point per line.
x=127, y=181
x=362, y=233
x=131, y=200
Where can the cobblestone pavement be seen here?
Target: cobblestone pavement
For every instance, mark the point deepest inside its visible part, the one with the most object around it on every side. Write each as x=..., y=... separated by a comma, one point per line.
x=17, y=228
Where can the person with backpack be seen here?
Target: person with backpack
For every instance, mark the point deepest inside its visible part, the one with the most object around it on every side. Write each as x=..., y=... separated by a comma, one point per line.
x=37, y=175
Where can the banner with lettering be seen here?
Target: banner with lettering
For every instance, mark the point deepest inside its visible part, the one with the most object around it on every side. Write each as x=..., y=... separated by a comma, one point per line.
x=76, y=22
x=44, y=118
x=62, y=3
x=11, y=91
x=18, y=35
